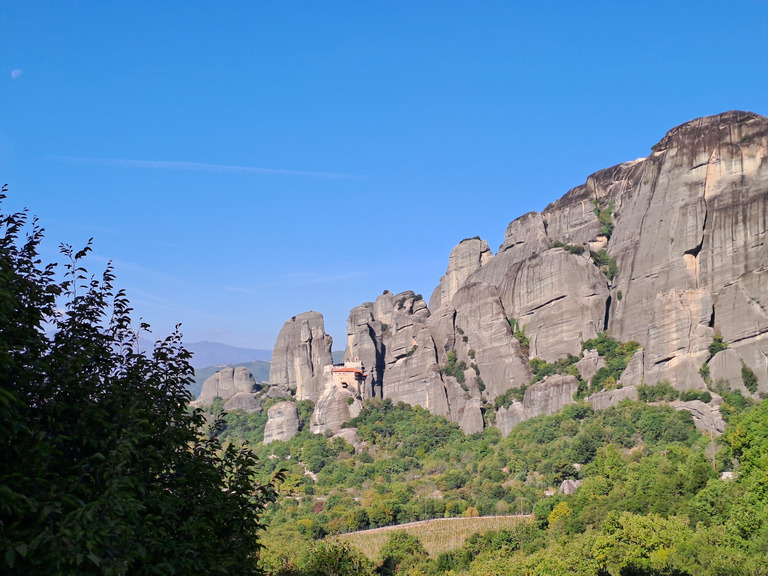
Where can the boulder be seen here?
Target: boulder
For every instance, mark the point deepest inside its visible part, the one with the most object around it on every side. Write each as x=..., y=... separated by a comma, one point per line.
x=569, y=486
x=608, y=398
x=589, y=364
x=301, y=352
x=244, y=401
x=546, y=397
x=706, y=417
x=349, y=435
x=282, y=422
x=225, y=384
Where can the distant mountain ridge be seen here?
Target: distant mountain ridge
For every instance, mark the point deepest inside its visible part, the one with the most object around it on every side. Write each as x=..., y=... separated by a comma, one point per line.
x=207, y=353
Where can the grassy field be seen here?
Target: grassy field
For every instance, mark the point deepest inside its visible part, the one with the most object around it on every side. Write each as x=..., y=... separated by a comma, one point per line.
x=440, y=535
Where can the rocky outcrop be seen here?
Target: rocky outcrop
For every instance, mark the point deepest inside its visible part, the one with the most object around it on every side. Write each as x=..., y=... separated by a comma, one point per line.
x=302, y=350
x=471, y=420
x=282, y=422
x=464, y=259
x=558, y=296
x=667, y=251
x=590, y=363
x=546, y=397
x=482, y=338
x=228, y=383
x=335, y=407
x=706, y=417
x=525, y=236
x=608, y=398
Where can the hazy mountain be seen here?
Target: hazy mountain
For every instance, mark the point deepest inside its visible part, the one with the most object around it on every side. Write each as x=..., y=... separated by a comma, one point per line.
x=213, y=353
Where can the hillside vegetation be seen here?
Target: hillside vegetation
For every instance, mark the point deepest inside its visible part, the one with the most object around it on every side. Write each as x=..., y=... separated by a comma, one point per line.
x=645, y=473
x=437, y=536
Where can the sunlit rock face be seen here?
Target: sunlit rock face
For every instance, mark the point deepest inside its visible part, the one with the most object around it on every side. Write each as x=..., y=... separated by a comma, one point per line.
x=301, y=352
x=236, y=386
x=668, y=251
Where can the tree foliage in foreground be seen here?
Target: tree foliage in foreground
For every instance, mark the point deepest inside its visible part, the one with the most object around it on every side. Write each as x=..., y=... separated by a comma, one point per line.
x=103, y=469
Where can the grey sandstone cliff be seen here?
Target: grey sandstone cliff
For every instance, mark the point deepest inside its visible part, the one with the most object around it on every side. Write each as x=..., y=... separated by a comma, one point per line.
x=465, y=258
x=282, y=422
x=301, y=352
x=667, y=251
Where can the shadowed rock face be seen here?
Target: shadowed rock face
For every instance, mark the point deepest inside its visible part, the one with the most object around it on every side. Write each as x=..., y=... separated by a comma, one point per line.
x=302, y=350
x=685, y=257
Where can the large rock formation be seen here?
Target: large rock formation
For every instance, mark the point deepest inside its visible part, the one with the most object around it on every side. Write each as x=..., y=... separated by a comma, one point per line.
x=334, y=407
x=302, y=350
x=282, y=422
x=236, y=386
x=668, y=251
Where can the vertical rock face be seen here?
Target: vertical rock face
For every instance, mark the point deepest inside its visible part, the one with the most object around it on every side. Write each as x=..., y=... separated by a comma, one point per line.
x=301, y=352
x=334, y=407
x=465, y=259
x=228, y=383
x=282, y=423
x=695, y=219
x=483, y=339
x=668, y=251
x=559, y=297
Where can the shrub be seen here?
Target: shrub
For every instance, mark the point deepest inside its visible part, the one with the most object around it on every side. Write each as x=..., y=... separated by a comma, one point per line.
x=661, y=391
x=748, y=377
x=605, y=263
x=572, y=248
x=702, y=395
x=717, y=345
x=605, y=217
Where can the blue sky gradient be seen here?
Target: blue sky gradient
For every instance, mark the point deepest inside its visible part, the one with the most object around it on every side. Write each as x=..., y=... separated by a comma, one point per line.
x=242, y=162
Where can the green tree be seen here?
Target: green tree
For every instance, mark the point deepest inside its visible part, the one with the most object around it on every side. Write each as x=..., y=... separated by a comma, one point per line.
x=400, y=548
x=331, y=558
x=103, y=469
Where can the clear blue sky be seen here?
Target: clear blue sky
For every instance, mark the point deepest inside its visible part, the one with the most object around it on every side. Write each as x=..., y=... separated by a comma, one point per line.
x=242, y=162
